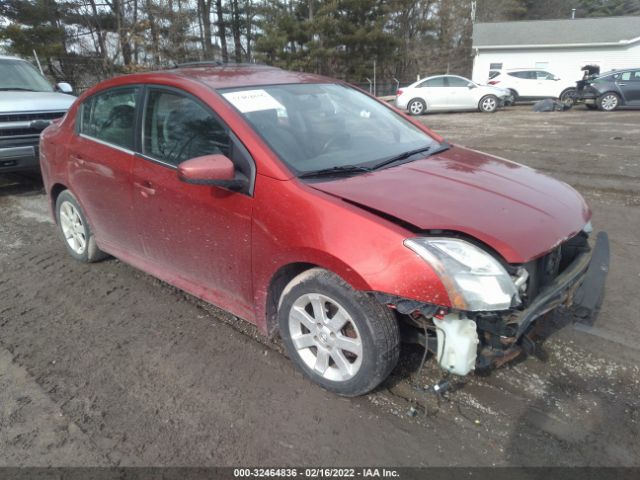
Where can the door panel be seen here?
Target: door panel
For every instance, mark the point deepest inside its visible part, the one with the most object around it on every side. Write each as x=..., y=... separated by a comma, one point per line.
x=630, y=88
x=434, y=91
x=101, y=160
x=459, y=95
x=199, y=233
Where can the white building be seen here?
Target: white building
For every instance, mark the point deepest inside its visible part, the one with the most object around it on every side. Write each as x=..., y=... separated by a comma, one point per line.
x=561, y=47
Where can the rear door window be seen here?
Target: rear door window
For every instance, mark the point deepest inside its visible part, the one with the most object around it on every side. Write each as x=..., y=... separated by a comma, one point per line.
x=110, y=116
x=434, y=82
x=526, y=75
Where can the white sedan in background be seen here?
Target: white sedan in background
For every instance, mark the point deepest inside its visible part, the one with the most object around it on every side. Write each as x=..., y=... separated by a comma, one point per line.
x=449, y=93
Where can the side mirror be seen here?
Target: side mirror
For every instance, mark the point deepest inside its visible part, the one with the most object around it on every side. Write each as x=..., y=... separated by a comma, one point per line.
x=214, y=169
x=472, y=86
x=64, y=87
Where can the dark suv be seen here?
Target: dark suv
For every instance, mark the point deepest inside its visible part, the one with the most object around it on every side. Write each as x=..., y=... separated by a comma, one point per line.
x=612, y=90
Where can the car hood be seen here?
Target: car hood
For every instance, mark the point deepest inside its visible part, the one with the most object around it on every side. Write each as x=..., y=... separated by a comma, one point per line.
x=17, y=101
x=516, y=210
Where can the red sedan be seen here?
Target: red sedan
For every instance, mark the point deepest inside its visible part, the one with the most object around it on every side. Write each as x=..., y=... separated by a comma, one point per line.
x=311, y=209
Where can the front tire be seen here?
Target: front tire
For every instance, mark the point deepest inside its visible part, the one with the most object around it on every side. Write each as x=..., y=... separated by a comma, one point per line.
x=75, y=230
x=416, y=107
x=340, y=338
x=488, y=104
x=608, y=102
x=568, y=97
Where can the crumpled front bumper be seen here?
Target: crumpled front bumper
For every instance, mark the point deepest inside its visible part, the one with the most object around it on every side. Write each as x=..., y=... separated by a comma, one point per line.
x=579, y=286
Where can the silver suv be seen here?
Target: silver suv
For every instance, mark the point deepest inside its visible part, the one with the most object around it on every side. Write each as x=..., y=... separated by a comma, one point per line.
x=28, y=103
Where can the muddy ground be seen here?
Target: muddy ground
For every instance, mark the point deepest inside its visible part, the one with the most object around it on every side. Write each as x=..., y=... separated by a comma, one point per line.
x=104, y=365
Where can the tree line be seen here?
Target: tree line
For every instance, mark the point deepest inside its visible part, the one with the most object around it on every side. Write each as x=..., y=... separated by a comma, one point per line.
x=83, y=41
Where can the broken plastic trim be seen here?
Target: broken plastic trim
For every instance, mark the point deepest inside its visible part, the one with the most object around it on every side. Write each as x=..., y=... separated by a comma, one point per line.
x=406, y=306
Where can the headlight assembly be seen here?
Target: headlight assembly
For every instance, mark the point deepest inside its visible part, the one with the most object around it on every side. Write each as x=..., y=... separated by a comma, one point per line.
x=474, y=279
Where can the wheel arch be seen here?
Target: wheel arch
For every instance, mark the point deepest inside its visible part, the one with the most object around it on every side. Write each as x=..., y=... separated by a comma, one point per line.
x=56, y=190
x=280, y=279
x=290, y=270
x=419, y=99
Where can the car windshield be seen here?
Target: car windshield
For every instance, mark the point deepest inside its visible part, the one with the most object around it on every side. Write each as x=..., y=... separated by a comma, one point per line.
x=21, y=75
x=316, y=127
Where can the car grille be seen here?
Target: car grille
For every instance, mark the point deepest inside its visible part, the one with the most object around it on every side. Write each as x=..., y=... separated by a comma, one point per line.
x=546, y=268
x=17, y=125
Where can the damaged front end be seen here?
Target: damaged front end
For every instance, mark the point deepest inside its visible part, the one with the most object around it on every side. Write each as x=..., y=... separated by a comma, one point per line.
x=496, y=307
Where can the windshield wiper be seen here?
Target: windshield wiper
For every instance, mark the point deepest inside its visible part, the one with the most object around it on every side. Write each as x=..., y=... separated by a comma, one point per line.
x=6, y=89
x=340, y=169
x=431, y=150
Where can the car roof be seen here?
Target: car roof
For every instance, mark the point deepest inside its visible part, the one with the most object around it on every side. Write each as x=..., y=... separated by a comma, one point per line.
x=526, y=70
x=237, y=75
x=620, y=70
x=5, y=57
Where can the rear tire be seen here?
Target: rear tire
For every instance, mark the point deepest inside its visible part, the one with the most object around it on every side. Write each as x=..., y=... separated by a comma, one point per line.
x=340, y=338
x=75, y=230
x=608, y=102
x=488, y=104
x=416, y=107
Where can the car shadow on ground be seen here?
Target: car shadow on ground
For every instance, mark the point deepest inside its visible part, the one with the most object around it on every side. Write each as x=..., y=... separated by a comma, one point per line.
x=23, y=183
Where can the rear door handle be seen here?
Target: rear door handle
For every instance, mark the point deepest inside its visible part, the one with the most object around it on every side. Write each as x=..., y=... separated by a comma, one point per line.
x=77, y=161
x=146, y=188
x=622, y=84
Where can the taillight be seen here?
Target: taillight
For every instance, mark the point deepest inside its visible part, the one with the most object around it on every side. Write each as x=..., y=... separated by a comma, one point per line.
x=398, y=93
x=494, y=82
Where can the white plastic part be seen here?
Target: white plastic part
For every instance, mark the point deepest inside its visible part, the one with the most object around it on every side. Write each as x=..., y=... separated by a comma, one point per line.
x=457, y=343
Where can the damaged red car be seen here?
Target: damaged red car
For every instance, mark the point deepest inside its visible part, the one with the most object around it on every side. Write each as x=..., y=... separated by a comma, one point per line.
x=309, y=208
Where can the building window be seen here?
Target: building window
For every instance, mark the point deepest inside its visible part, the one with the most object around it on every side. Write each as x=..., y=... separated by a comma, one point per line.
x=495, y=66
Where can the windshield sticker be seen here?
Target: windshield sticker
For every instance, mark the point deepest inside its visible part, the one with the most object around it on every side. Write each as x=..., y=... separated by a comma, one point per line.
x=253, y=101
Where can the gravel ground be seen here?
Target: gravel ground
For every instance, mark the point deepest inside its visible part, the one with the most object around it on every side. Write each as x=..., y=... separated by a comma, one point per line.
x=105, y=365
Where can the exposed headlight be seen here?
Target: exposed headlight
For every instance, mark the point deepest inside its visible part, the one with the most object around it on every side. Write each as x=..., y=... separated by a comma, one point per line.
x=474, y=279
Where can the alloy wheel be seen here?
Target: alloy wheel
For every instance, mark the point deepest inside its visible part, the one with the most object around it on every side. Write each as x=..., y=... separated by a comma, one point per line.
x=609, y=102
x=416, y=107
x=73, y=227
x=489, y=104
x=325, y=337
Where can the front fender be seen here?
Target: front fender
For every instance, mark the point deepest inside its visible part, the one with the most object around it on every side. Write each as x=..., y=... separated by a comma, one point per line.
x=318, y=229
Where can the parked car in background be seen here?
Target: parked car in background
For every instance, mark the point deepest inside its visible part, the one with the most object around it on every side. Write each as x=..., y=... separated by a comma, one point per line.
x=27, y=104
x=611, y=90
x=534, y=84
x=450, y=93
x=311, y=209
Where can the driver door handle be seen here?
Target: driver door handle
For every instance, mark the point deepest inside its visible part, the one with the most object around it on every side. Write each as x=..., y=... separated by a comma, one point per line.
x=146, y=188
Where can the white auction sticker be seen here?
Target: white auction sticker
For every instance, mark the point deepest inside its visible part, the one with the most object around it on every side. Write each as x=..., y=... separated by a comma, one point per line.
x=253, y=101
